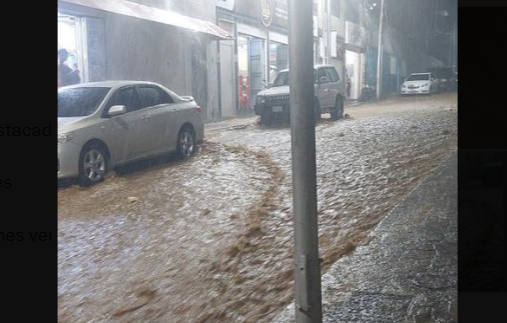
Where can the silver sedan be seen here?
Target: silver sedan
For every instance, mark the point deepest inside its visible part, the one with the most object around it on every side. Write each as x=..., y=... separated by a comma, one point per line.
x=106, y=124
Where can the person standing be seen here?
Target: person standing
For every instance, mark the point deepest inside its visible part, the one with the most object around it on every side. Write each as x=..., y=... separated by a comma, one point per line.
x=66, y=76
x=348, y=86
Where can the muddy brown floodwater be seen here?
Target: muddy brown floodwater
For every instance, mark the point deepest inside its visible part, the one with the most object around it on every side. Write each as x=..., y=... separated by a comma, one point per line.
x=210, y=239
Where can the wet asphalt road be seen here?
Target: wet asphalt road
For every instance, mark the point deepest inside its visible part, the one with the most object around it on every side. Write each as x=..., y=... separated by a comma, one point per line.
x=210, y=239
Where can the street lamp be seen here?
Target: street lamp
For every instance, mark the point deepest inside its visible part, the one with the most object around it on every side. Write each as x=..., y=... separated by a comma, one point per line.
x=380, y=51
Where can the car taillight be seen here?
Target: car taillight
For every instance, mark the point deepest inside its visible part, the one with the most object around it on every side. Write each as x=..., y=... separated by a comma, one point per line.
x=199, y=109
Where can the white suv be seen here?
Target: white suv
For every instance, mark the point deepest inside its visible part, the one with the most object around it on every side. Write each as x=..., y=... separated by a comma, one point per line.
x=274, y=103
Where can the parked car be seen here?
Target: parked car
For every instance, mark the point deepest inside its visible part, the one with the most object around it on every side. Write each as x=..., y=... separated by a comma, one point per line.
x=419, y=83
x=329, y=96
x=445, y=77
x=105, y=124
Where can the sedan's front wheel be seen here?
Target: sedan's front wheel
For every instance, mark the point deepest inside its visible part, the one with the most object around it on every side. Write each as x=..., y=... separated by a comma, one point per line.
x=93, y=165
x=186, y=143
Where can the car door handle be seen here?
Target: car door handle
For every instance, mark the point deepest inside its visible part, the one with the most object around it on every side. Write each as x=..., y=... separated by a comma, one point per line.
x=145, y=117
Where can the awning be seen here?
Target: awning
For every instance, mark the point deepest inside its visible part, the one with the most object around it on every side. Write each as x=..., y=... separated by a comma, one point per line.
x=131, y=9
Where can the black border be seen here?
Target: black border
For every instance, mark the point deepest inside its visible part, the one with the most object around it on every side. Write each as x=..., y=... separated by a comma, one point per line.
x=29, y=268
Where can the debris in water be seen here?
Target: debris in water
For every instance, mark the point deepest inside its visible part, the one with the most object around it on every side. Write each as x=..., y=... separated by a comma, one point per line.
x=132, y=199
x=144, y=297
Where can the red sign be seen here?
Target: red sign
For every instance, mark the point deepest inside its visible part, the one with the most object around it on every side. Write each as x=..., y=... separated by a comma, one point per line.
x=244, y=93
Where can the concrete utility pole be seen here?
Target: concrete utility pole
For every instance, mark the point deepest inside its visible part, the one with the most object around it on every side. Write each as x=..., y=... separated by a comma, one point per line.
x=328, y=27
x=304, y=183
x=380, y=51
x=452, y=58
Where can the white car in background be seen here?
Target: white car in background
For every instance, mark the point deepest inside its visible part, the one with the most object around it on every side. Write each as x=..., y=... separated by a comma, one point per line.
x=419, y=83
x=106, y=124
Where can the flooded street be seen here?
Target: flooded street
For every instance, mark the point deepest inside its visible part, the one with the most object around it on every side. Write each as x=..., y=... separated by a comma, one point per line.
x=210, y=239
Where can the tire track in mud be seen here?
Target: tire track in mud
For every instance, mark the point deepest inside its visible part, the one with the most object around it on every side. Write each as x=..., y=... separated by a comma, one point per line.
x=241, y=295
x=256, y=299
x=254, y=276
x=194, y=297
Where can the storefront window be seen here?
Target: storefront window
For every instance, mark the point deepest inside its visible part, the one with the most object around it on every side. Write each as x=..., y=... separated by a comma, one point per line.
x=251, y=70
x=68, y=30
x=335, y=8
x=67, y=37
x=278, y=59
x=352, y=11
x=243, y=75
x=83, y=38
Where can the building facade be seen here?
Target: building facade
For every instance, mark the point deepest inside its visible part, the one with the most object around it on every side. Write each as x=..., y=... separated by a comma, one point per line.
x=145, y=40
x=258, y=52
x=223, y=52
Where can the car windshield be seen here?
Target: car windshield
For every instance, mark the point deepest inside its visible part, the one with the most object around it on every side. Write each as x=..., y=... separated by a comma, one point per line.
x=281, y=79
x=80, y=102
x=418, y=77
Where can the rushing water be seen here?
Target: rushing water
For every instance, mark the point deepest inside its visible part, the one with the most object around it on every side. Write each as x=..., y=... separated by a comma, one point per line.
x=210, y=239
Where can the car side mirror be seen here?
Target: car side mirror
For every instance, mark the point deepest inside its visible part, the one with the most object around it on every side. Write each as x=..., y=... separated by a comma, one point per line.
x=117, y=110
x=323, y=79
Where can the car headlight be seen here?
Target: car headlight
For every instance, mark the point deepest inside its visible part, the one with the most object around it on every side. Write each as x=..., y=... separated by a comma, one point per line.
x=260, y=99
x=425, y=85
x=65, y=137
x=403, y=86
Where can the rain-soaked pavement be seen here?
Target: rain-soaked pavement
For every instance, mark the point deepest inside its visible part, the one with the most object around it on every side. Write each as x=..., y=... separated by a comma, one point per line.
x=408, y=272
x=210, y=239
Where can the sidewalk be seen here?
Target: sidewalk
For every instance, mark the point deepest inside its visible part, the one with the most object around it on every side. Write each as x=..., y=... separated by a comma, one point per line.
x=408, y=272
x=247, y=120
x=230, y=123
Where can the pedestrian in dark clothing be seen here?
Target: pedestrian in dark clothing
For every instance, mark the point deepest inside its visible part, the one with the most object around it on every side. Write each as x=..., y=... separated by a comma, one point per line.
x=66, y=76
x=348, y=86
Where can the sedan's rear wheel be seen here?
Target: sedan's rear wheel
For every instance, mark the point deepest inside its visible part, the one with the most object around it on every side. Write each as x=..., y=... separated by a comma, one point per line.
x=186, y=143
x=93, y=164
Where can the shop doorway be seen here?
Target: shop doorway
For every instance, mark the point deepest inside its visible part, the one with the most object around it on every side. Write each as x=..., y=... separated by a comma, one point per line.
x=69, y=38
x=199, y=71
x=278, y=59
x=227, y=87
x=83, y=37
x=256, y=67
x=353, y=70
x=251, y=71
